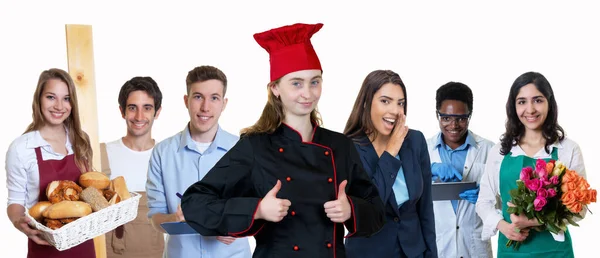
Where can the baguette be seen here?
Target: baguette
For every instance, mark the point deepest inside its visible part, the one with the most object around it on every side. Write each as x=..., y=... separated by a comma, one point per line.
x=119, y=186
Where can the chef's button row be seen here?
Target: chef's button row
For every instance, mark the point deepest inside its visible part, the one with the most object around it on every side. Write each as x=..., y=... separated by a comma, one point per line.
x=328, y=245
x=289, y=179
x=326, y=153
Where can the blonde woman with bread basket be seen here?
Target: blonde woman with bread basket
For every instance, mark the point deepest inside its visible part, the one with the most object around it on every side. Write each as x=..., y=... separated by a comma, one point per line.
x=53, y=147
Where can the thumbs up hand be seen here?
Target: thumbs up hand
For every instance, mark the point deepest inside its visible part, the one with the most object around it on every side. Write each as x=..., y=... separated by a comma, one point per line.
x=339, y=210
x=272, y=208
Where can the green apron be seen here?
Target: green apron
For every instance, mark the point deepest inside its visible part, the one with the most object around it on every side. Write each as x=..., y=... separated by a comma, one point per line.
x=537, y=244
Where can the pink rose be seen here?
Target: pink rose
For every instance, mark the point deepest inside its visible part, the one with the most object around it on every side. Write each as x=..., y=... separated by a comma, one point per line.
x=554, y=180
x=540, y=168
x=539, y=203
x=545, y=181
x=551, y=192
x=526, y=173
x=533, y=184
x=542, y=193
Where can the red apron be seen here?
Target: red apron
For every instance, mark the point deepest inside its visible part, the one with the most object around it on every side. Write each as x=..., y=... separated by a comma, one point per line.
x=51, y=170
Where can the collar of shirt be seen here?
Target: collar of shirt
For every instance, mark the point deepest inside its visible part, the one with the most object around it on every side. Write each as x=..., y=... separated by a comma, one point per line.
x=469, y=141
x=36, y=140
x=517, y=151
x=293, y=134
x=218, y=142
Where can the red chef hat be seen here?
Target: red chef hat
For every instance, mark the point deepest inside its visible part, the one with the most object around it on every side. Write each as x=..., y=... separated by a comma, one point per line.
x=290, y=49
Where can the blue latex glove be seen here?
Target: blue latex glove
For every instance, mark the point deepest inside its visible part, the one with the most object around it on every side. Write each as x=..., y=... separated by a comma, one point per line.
x=445, y=172
x=470, y=195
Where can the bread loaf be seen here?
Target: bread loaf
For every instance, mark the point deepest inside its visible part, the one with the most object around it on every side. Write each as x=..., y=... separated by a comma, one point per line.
x=94, y=179
x=119, y=186
x=94, y=198
x=37, y=210
x=67, y=209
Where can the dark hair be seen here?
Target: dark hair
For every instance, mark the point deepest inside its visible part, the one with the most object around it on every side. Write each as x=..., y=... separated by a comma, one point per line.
x=205, y=73
x=551, y=130
x=146, y=84
x=359, y=121
x=454, y=91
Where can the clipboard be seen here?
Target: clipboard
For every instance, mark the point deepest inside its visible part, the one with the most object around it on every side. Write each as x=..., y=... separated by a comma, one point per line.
x=444, y=191
x=178, y=228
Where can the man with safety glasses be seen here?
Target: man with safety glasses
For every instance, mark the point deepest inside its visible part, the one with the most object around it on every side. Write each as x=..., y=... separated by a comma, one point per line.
x=457, y=154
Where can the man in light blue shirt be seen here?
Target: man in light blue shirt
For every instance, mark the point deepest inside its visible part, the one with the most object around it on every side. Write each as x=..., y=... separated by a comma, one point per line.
x=185, y=158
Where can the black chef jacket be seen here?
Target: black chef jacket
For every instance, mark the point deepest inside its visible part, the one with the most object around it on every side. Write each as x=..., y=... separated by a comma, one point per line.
x=225, y=200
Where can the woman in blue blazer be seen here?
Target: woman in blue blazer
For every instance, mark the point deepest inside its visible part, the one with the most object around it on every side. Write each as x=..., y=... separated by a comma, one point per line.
x=397, y=161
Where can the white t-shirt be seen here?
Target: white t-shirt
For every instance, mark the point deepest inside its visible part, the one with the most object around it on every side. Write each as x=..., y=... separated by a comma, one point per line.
x=202, y=146
x=132, y=165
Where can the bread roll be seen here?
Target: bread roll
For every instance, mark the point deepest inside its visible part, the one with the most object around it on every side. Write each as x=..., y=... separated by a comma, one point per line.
x=121, y=188
x=94, y=179
x=67, y=209
x=37, y=210
x=91, y=196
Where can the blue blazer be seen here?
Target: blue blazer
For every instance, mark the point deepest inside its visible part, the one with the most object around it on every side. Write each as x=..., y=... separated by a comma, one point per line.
x=409, y=230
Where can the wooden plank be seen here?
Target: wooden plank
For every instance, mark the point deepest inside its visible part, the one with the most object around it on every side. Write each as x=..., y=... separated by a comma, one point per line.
x=80, y=55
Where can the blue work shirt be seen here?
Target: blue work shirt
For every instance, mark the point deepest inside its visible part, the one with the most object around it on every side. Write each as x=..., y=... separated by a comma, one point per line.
x=456, y=157
x=175, y=164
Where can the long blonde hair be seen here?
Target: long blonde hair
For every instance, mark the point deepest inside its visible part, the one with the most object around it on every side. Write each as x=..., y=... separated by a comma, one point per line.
x=273, y=115
x=79, y=139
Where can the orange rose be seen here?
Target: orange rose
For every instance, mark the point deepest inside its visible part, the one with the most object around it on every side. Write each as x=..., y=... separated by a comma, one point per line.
x=569, y=176
x=581, y=196
x=549, y=167
x=568, y=198
x=568, y=187
x=582, y=183
x=574, y=207
x=591, y=195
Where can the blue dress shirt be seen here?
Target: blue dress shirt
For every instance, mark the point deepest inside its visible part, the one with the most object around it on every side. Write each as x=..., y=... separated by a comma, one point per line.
x=456, y=157
x=175, y=164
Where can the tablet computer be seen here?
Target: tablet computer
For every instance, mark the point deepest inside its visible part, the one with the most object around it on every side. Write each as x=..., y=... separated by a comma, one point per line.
x=178, y=228
x=443, y=191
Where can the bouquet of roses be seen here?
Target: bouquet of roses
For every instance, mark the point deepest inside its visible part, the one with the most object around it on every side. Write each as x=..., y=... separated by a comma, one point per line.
x=552, y=194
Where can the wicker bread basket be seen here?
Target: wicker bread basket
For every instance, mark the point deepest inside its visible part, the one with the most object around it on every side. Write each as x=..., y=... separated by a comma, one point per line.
x=90, y=226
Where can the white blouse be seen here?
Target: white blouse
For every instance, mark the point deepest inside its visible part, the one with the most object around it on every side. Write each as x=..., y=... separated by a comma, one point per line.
x=22, y=172
x=489, y=203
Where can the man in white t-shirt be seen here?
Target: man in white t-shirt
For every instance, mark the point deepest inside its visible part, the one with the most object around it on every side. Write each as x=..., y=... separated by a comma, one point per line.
x=139, y=103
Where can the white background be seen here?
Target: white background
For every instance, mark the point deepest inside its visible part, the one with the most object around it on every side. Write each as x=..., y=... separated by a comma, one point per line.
x=484, y=45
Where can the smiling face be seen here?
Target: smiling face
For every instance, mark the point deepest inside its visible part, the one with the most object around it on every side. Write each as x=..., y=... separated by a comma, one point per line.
x=55, y=102
x=388, y=103
x=299, y=92
x=453, y=119
x=139, y=113
x=205, y=103
x=531, y=107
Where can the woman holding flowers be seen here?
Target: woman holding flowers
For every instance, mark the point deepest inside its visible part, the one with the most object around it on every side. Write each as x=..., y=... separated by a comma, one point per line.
x=532, y=132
